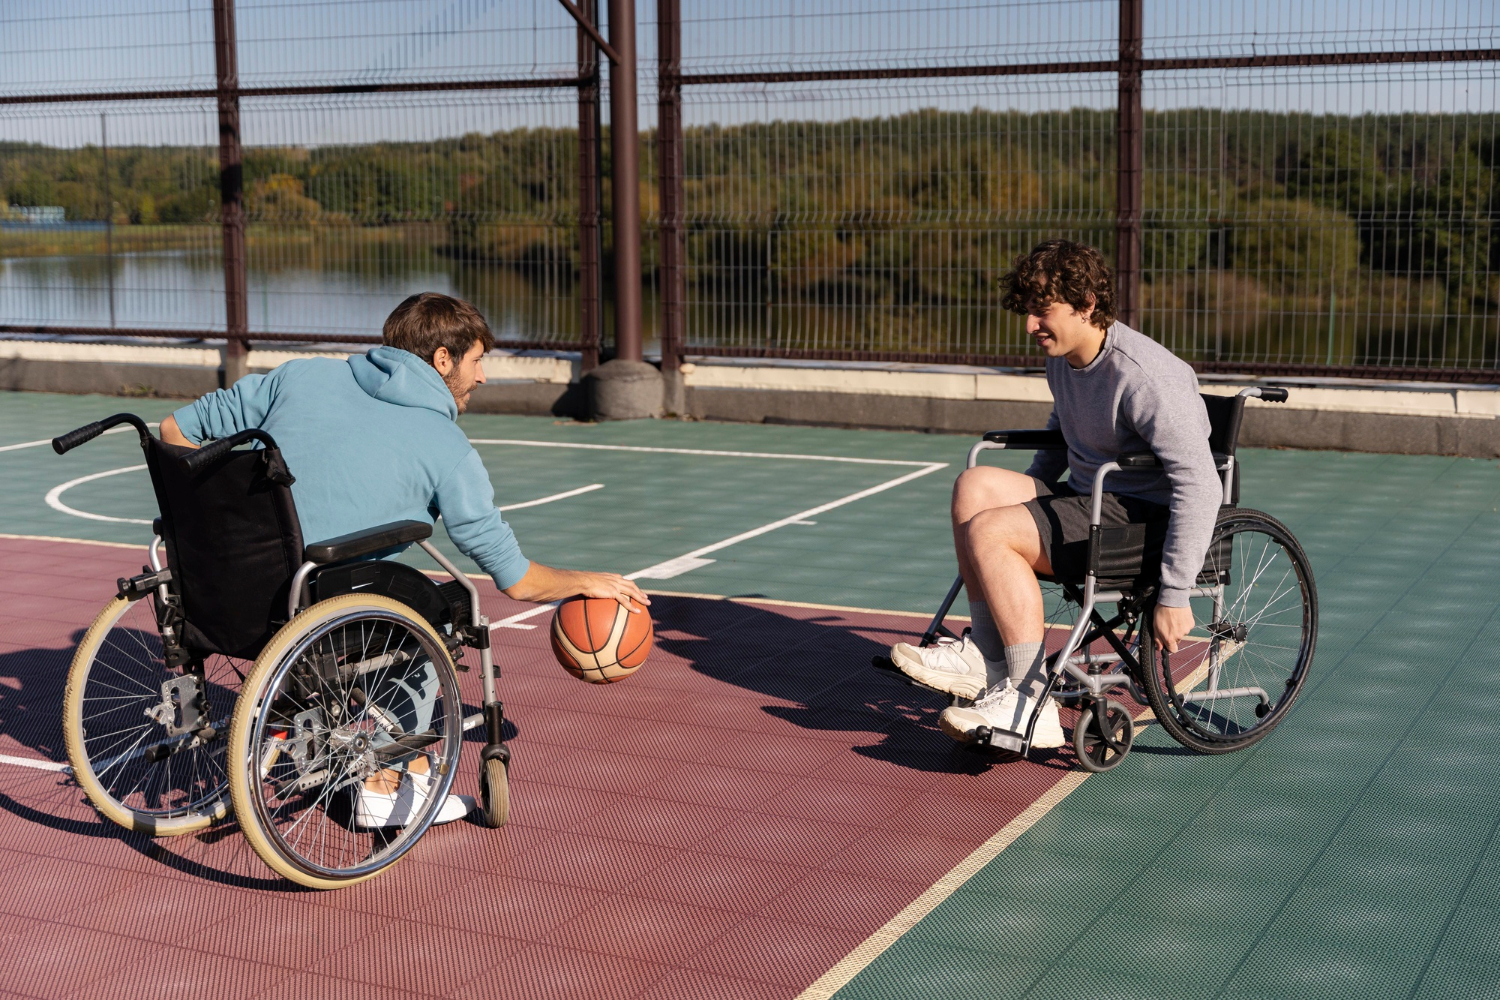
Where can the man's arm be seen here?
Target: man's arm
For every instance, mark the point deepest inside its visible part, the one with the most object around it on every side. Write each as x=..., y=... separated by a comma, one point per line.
x=172, y=434
x=1169, y=416
x=466, y=501
x=225, y=412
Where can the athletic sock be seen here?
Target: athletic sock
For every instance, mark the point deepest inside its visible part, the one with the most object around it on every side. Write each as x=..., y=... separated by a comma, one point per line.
x=986, y=639
x=1026, y=663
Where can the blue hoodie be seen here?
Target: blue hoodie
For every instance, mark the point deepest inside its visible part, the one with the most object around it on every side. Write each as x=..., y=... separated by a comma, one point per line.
x=370, y=440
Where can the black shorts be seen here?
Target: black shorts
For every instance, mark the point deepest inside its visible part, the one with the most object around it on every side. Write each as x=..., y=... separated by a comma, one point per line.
x=1132, y=532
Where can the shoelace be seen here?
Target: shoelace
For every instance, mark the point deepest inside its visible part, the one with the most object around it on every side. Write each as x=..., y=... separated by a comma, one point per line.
x=994, y=695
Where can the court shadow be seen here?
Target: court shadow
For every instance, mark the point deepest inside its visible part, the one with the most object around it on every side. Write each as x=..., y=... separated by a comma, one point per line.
x=819, y=662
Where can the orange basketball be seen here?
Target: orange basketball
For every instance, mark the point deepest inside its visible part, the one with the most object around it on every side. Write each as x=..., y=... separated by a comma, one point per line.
x=598, y=641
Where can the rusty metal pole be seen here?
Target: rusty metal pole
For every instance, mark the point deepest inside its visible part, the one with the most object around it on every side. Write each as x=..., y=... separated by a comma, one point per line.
x=1130, y=168
x=590, y=196
x=231, y=194
x=669, y=162
x=624, y=178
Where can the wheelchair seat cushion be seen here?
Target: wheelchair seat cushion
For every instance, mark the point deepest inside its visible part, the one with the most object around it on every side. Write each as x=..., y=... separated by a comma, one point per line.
x=1132, y=533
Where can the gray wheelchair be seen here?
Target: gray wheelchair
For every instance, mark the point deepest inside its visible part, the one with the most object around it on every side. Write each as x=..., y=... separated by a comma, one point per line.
x=251, y=669
x=1241, y=667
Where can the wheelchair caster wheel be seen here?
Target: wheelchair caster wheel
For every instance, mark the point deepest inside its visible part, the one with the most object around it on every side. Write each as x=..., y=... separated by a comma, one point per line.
x=1100, y=747
x=494, y=791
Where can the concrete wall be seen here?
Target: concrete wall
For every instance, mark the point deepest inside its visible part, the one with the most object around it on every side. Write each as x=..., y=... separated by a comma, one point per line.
x=1401, y=418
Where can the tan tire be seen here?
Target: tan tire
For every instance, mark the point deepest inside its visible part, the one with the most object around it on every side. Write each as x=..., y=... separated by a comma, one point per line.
x=111, y=767
x=247, y=801
x=494, y=792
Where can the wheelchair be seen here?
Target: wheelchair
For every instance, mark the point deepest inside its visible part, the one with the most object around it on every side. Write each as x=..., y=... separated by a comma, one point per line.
x=253, y=670
x=1241, y=667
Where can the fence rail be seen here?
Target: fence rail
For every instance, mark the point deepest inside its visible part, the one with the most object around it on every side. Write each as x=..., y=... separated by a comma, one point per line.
x=1282, y=191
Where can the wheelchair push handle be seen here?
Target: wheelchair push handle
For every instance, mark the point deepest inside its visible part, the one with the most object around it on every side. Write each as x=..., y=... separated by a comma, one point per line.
x=64, y=443
x=1269, y=394
x=209, y=453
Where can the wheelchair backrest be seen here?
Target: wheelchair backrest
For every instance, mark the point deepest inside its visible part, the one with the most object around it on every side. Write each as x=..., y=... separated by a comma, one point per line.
x=233, y=544
x=1224, y=416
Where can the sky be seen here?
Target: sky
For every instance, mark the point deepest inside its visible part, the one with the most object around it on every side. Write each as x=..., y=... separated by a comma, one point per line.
x=47, y=46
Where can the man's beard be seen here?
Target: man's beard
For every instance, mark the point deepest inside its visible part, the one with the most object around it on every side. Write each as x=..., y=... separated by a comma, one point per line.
x=460, y=389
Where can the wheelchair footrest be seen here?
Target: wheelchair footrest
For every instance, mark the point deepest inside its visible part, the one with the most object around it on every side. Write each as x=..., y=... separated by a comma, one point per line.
x=1000, y=739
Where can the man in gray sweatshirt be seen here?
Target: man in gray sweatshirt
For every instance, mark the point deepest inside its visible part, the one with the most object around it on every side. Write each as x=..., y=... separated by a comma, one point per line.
x=1114, y=392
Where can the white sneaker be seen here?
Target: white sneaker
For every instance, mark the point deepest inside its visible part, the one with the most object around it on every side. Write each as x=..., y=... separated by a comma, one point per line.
x=398, y=808
x=1007, y=709
x=954, y=667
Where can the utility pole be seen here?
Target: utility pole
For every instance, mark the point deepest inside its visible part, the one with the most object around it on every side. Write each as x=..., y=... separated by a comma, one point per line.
x=231, y=195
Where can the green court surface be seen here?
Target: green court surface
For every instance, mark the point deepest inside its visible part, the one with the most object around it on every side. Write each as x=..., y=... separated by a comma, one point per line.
x=1350, y=854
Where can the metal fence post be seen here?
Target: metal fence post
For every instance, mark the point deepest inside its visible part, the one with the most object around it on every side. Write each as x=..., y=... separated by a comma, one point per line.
x=625, y=178
x=231, y=194
x=1129, y=169
x=590, y=195
x=669, y=161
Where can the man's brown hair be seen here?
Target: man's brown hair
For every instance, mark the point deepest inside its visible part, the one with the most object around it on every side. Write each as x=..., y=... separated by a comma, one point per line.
x=1060, y=271
x=426, y=321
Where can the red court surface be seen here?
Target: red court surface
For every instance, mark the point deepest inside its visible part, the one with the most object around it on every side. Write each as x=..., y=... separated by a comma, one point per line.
x=729, y=822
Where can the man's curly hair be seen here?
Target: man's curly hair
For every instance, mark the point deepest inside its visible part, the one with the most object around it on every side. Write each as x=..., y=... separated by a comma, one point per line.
x=1060, y=271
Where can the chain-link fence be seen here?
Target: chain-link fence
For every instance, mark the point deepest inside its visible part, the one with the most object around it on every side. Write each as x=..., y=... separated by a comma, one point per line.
x=1283, y=187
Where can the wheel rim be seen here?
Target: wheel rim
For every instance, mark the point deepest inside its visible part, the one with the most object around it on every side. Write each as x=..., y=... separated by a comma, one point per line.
x=1089, y=744
x=328, y=718
x=1243, y=662
x=127, y=732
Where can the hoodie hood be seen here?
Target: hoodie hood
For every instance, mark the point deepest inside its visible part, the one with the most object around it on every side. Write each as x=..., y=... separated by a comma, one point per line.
x=395, y=376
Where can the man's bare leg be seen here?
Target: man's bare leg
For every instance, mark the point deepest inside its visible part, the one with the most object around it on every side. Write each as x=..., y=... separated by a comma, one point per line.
x=977, y=490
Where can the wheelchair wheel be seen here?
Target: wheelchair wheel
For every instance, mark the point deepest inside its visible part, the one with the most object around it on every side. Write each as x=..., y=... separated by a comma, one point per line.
x=1094, y=752
x=494, y=792
x=355, y=687
x=1242, y=666
x=146, y=741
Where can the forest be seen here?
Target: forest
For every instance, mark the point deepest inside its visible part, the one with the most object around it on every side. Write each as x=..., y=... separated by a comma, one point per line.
x=1258, y=226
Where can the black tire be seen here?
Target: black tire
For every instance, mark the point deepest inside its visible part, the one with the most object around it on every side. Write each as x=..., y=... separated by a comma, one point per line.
x=1263, y=639
x=494, y=792
x=1088, y=736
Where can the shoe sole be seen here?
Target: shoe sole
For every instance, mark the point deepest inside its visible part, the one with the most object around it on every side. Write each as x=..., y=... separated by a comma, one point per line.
x=1046, y=737
x=938, y=680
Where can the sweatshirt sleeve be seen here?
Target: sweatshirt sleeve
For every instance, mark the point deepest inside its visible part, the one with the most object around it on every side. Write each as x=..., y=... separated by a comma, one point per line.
x=1049, y=463
x=1170, y=417
x=466, y=501
x=228, y=411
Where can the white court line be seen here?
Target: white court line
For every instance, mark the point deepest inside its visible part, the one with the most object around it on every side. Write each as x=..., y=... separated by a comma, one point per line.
x=693, y=560
x=40, y=765
x=555, y=496
x=54, y=497
x=695, y=451
x=38, y=444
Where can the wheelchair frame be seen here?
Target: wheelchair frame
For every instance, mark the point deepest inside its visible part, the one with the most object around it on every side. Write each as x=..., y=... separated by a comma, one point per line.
x=1091, y=682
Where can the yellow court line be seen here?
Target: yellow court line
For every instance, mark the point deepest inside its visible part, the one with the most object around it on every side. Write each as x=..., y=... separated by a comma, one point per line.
x=855, y=962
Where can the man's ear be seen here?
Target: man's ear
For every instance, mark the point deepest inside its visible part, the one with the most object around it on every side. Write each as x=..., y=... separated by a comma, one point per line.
x=442, y=360
x=1088, y=310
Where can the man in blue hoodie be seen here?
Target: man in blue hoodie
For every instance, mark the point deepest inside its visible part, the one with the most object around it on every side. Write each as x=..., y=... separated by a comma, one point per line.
x=373, y=439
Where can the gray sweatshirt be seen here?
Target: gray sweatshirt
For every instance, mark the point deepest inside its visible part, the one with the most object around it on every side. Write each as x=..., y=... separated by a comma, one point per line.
x=1138, y=396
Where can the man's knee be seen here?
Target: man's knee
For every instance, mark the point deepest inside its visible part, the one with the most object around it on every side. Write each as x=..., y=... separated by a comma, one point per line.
x=985, y=488
x=1011, y=528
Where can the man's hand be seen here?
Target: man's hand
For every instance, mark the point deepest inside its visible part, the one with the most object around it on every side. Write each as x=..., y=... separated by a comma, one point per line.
x=1169, y=625
x=543, y=583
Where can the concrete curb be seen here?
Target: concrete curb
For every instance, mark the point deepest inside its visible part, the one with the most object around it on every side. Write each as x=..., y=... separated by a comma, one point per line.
x=1392, y=418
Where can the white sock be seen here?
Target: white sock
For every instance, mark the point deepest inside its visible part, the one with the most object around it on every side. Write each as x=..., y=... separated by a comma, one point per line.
x=986, y=639
x=1026, y=665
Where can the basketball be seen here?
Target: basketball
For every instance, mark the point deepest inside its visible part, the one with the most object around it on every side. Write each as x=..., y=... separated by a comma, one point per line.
x=598, y=641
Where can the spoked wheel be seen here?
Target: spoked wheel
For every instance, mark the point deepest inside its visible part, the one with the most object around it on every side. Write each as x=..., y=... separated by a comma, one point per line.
x=494, y=791
x=146, y=741
x=346, y=740
x=1236, y=675
x=1103, y=735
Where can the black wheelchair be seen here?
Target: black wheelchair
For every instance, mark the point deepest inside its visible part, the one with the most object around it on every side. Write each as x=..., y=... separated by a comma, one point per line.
x=1255, y=611
x=281, y=673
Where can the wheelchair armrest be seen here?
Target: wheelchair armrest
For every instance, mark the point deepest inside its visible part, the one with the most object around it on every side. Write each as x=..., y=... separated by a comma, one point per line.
x=1139, y=460
x=1040, y=440
x=362, y=543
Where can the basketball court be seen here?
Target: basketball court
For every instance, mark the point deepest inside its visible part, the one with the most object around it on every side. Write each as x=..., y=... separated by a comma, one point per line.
x=757, y=812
